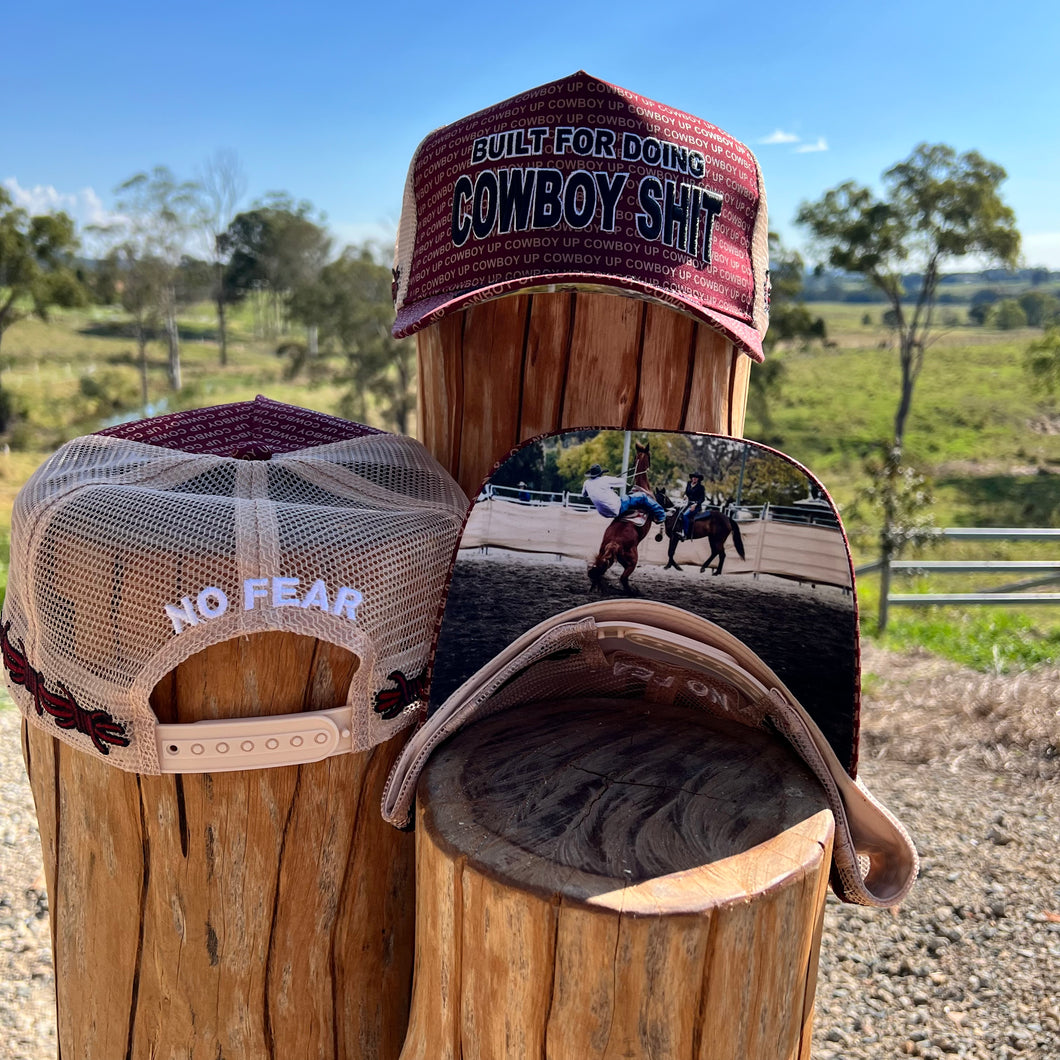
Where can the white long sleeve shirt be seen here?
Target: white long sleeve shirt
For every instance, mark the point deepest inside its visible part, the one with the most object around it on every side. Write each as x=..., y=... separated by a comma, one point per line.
x=601, y=491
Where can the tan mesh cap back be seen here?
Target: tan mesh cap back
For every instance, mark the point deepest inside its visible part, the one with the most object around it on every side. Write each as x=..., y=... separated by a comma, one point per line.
x=129, y=556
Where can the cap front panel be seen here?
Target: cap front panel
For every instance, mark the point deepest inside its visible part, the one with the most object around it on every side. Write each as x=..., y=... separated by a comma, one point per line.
x=580, y=178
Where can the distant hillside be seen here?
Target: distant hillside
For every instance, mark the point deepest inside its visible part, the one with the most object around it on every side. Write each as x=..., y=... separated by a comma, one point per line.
x=958, y=288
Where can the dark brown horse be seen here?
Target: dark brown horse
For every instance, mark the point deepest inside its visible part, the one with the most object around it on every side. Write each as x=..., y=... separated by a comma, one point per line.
x=715, y=526
x=625, y=533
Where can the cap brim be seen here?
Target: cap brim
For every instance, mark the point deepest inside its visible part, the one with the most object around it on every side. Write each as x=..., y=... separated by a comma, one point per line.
x=874, y=859
x=416, y=316
x=538, y=560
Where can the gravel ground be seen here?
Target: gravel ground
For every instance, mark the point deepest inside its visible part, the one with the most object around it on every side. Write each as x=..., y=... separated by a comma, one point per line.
x=968, y=967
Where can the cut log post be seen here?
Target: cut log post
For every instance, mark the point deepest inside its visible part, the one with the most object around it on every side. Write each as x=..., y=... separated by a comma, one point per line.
x=600, y=880
x=265, y=913
x=515, y=367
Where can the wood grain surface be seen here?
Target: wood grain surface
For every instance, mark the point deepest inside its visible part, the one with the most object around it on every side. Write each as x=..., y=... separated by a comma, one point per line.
x=602, y=879
x=266, y=913
x=515, y=367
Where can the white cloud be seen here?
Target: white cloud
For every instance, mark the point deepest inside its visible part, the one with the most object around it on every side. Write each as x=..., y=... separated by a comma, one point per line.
x=805, y=149
x=84, y=206
x=778, y=136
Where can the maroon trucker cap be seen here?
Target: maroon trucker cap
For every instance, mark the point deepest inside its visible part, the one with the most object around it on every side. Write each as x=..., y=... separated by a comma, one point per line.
x=582, y=183
x=243, y=430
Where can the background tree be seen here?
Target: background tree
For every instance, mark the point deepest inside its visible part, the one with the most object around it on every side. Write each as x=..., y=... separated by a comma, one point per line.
x=1041, y=308
x=274, y=249
x=194, y=281
x=789, y=319
x=349, y=301
x=1043, y=362
x=100, y=280
x=897, y=492
x=222, y=185
x=158, y=216
x=140, y=280
x=789, y=322
x=1008, y=315
x=673, y=457
x=982, y=303
x=36, y=270
x=937, y=206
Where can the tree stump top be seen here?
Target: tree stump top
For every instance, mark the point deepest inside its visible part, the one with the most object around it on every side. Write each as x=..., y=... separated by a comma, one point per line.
x=632, y=806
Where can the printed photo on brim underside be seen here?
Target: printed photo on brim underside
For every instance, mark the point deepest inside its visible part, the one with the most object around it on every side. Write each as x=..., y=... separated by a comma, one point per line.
x=721, y=527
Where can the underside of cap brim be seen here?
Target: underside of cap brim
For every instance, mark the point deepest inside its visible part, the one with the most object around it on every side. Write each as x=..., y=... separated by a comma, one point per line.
x=875, y=859
x=416, y=316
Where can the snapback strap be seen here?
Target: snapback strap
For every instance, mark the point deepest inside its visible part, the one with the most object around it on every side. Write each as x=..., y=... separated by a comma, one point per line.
x=254, y=743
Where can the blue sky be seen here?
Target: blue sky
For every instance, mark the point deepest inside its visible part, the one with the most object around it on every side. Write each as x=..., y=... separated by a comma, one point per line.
x=328, y=101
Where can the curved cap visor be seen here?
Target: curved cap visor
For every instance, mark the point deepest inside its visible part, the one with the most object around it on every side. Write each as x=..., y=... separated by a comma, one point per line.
x=874, y=859
x=785, y=578
x=582, y=184
x=762, y=575
x=430, y=311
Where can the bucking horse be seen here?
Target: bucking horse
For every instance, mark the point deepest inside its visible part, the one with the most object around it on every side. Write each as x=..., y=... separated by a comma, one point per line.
x=625, y=533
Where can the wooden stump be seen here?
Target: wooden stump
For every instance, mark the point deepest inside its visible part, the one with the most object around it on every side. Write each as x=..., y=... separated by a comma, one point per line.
x=266, y=913
x=512, y=368
x=602, y=880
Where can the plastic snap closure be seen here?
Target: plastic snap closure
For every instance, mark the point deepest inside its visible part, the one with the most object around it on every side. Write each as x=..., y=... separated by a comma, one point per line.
x=297, y=741
x=247, y=745
x=197, y=749
x=272, y=744
x=222, y=748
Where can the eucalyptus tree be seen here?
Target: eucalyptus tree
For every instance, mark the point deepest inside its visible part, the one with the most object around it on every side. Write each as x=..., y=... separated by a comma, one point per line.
x=274, y=249
x=36, y=269
x=157, y=215
x=349, y=301
x=222, y=185
x=937, y=207
x=140, y=280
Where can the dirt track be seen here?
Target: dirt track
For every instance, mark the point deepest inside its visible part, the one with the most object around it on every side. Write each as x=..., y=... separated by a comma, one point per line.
x=805, y=633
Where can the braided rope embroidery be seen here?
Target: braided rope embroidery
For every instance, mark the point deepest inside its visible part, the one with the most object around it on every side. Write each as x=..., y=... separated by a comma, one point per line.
x=390, y=702
x=99, y=726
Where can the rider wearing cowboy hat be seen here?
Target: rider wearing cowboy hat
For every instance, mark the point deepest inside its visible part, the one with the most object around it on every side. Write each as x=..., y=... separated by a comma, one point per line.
x=600, y=489
x=695, y=495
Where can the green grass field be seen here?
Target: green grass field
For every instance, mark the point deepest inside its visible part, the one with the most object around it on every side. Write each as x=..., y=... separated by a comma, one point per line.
x=80, y=370
x=989, y=444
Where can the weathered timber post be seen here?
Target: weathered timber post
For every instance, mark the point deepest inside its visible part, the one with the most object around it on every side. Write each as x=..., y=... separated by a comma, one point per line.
x=581, y=257
x=262, y=913
x=226, y=888
x=676, y=917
